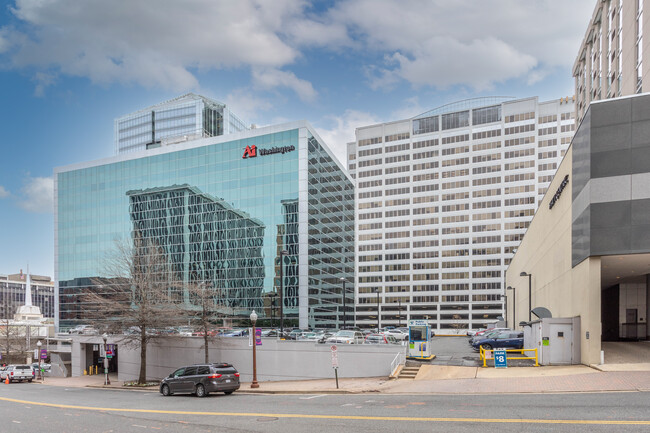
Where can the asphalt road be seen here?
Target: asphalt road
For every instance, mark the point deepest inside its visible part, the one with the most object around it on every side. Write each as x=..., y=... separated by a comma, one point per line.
x=39, y=408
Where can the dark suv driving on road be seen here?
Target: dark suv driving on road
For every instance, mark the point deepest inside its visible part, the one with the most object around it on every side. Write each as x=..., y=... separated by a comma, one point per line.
x=201, y=379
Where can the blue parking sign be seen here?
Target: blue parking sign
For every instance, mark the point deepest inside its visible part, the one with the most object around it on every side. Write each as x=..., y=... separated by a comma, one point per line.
x=500, y=358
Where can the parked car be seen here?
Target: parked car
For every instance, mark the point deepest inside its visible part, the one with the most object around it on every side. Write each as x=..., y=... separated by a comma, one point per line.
x=380, y=339
x=472, y=332
x=44, y=366
x=19, y=373
x=83, y=329
x=237, y=333
x=270, y=333
x=201, y=380
x=483, y=334
x=347, y=337
x=501, y=340
x=397, y=333
x=2, y=372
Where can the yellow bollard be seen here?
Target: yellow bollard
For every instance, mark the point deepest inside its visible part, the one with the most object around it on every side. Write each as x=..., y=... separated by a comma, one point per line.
x=85, y=372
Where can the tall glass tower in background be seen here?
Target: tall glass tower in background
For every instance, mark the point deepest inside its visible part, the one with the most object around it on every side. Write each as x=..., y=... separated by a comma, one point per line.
x=185, y=118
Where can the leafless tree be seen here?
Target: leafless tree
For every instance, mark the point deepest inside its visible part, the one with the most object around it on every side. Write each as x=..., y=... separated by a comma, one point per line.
x=140, y=296
x=204, y=300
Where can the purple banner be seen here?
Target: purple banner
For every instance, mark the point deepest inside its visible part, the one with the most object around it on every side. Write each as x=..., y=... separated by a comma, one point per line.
x=43, y=353
x=258, y=337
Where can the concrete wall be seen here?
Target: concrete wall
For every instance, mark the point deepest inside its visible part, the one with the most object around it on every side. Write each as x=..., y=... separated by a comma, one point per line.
x=276, y=360
x=545, y=252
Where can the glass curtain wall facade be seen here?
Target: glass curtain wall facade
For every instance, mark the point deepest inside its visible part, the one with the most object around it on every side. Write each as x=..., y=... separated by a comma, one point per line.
x=184, y=118
x=222, y=211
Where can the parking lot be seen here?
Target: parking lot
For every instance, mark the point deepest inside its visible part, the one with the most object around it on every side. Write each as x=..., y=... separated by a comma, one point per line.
x=454, y=351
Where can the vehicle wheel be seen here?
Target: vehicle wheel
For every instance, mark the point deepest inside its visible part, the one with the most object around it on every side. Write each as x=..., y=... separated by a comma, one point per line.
x=200, y=391
x=165, y=391
x=228, y=392
x=29, y=380
x=486, y=347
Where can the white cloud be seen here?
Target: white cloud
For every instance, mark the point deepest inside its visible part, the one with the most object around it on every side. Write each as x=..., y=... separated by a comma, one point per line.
x=3, y=192
x=269, y=78
x=43, y=81
x=342, y=129
x=246, y=104
x=37, y=195
x=438, y=43
x=441, y=43
x=151, y=45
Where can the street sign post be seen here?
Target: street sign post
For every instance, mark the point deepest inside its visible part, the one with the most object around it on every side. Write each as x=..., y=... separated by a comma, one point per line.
x=335, y=363
x=500, y=358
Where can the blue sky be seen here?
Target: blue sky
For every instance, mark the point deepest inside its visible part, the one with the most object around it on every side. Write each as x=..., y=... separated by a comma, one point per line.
x=69, y=67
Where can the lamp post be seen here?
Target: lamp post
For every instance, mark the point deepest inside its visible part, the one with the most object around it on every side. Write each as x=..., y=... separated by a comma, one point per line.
x=254, y=384
x=344, y=296
x=399, y=312
x=530, y=292
x=505, y=298
x=273, y=296
x=106, y=380
x=514, y=306
x=283, y=253
x=377, y=309
x=38, y=345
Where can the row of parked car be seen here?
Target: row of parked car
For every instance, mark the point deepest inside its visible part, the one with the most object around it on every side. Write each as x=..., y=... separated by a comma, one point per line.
x=497, y=338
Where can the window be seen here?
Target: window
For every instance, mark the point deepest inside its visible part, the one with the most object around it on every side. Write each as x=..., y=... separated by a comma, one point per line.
x=455, y=120
x=486, y=115
x=425, y=125
x=369, y=141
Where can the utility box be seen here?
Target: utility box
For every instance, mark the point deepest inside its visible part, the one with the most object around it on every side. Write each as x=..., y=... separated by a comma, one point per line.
x=557, y=340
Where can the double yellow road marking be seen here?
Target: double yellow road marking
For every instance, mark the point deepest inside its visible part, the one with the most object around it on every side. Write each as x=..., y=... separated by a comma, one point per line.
x=342, y=417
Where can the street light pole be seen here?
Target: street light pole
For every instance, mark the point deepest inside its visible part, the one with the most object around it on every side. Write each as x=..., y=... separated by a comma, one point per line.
x=514, y=307
x=505, y=298
x=38, y=345
x=283, y=253
x=254, y=384
x=344, y=296
x=377, y=309
x=399, y=312
x=106, y=380
x=530, y=294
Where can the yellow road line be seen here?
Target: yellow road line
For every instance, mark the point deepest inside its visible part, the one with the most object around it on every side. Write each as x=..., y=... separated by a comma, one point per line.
x=345, y=417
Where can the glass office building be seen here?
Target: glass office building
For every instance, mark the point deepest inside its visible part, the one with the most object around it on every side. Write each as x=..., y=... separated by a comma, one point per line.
x=232, y=212
x=185, y=118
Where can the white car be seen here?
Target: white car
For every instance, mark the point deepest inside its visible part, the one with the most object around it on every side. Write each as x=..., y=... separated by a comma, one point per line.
x=347, y=337
x=397, y=333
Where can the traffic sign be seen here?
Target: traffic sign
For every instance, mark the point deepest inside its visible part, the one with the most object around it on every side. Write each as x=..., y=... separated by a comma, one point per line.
x=334, y=348
x=500, y=358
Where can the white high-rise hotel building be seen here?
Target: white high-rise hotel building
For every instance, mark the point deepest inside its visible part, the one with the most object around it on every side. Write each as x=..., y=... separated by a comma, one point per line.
x=443, y=199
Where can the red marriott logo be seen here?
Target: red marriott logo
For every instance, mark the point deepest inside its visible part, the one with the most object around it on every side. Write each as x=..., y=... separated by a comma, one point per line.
x=250, y=152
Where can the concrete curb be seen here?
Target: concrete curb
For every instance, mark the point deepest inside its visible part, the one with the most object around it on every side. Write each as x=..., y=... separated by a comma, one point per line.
x=123, y=388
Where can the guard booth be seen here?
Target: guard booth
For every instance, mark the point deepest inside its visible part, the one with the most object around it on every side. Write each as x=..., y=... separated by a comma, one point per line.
x=419, y=345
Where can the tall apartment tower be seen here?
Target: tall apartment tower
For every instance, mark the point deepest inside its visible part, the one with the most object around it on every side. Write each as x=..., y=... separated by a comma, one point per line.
x=187, y=117
x=443, y=200
x=610, y=58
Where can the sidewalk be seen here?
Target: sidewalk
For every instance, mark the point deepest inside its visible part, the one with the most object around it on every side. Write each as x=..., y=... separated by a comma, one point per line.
x=434, y=379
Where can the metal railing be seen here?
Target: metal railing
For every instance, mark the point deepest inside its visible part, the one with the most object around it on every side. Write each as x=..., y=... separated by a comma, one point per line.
x=488, y=354
x=400, y=359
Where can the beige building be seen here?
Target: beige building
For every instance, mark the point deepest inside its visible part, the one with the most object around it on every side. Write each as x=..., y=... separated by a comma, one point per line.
x=586, y=253
x=610, y=59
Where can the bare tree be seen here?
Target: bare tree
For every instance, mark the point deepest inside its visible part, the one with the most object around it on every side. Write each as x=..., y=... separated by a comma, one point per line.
x=140, y=295
x=204, y=299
